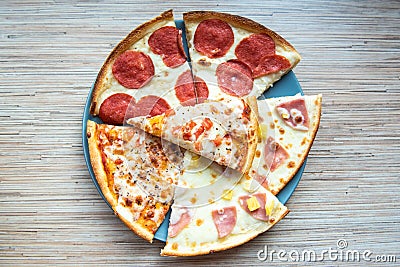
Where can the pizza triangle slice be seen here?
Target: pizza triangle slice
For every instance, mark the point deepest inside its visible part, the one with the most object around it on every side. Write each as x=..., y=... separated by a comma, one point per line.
x=140, y=74
x=224, y=131
x=219, y=214
x=235, y=55
x=287, y=128
x=135, y=175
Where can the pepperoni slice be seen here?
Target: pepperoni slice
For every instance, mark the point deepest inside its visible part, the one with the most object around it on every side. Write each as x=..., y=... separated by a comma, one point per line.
x=275, y=154
x=234, y=78
x=114, y=108
x=186, y=91
x=201, y=89
x=180, y=44
x=150, y=105
x=167, y=42
x=133, y=69
x=255, y=47
x=271, y=64
x=225, y=220
x=260, y=213
x=213, y=38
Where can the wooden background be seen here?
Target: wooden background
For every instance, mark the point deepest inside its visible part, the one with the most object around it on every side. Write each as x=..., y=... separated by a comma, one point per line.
x=50, y=53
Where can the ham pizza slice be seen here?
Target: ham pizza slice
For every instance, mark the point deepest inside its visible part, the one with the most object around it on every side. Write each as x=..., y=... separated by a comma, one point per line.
x=288, y=126
x=235, y=55
x=231, y=216
x=223, y=131
x=135, y=174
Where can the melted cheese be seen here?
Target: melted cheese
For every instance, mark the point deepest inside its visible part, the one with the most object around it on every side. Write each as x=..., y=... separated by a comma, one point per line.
x=129, y=152
x=245, y=227
x=199, y=187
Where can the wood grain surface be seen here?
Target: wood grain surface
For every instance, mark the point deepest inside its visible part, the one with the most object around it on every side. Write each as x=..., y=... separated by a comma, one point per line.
x=50, y=53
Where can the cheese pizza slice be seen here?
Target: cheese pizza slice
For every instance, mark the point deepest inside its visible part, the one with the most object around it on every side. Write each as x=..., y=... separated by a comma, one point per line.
x=231, y=216
x=141, y=74
x=136, y=174
x=223, y=131
x=288, y=126
x=235, y=55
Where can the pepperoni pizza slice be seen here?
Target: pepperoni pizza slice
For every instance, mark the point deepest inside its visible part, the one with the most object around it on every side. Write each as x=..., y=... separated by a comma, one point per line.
x=223, y=131
x=134, y=173
x=141, y=74
x=288, y=126
x=226, y=220
x=235, y=55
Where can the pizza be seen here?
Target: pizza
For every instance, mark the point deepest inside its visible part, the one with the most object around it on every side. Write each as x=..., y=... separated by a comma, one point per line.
x=223, y=131
x=146, y=74
x=134, y=173
x=287, y=128
x=237, y=56
x=218, y=215
x=193, y=138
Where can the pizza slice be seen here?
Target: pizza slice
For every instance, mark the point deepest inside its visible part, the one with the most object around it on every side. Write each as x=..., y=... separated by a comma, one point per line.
x=229, y=217
x=141, y=74
x=223, y=131
x=136, y=174
x=288, y=126
x=235, y=55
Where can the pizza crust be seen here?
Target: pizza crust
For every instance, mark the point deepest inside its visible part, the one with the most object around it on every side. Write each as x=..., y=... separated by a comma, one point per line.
x=97, y=164
x=253, y=133
x=101, y=177
x=129, y=40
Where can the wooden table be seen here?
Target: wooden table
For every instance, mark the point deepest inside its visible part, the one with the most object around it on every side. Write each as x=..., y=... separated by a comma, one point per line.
x=50, y=53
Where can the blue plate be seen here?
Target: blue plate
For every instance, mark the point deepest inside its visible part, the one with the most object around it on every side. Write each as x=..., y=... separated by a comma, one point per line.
x=287, y=86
